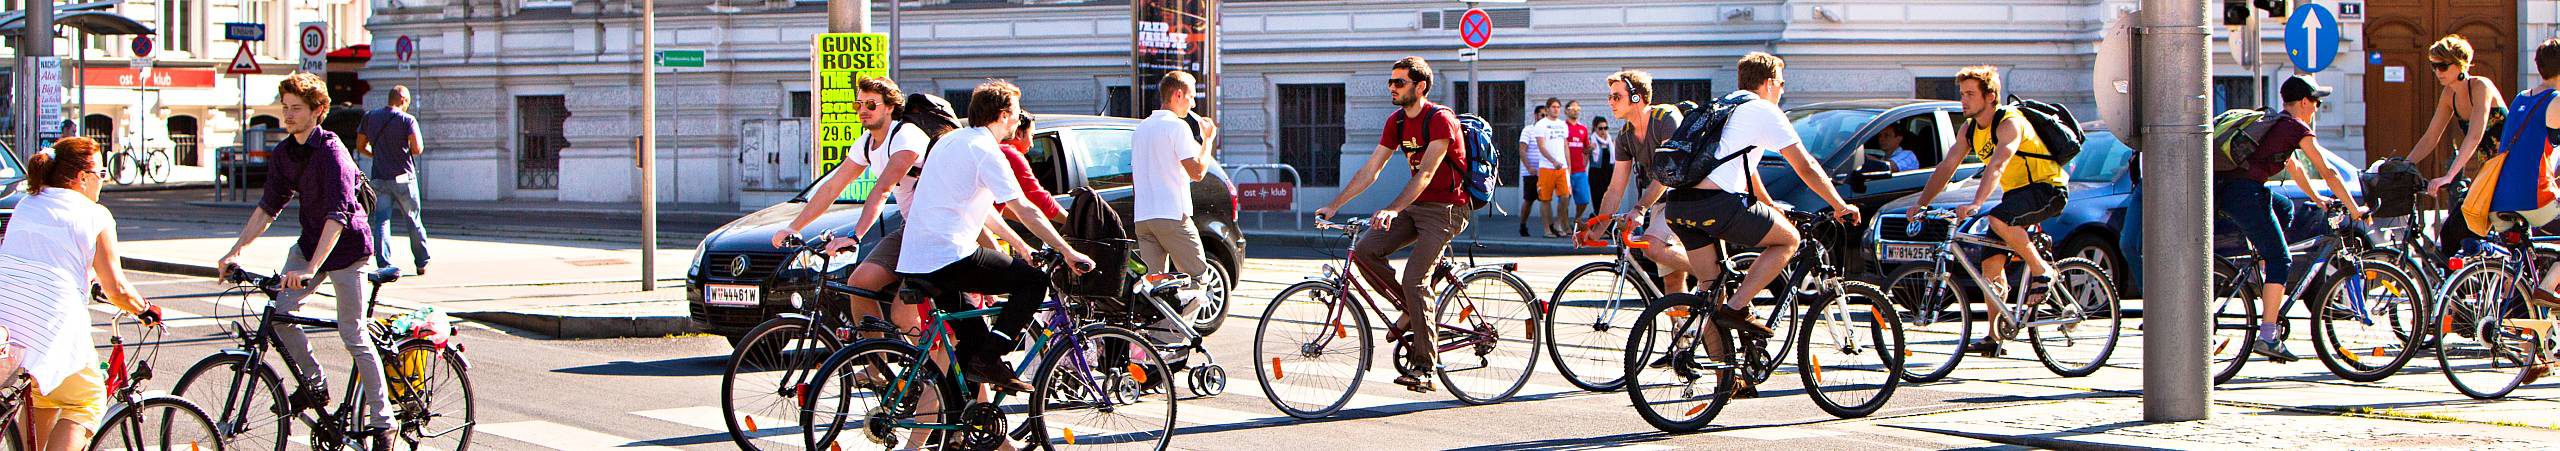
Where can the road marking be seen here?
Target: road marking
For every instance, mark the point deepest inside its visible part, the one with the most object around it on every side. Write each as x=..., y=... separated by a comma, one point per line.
x=1777, y=433
x=559, y=436
x=708, y=417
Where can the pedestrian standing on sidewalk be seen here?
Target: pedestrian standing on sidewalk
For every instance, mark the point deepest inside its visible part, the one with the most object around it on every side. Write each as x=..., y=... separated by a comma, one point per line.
x=60, y=241
x=1168, y=158
x=1554, y=180
x=390, y=137
x=1602, y=144
x=1577, y=145
x=311, y=166
x=1529, y=166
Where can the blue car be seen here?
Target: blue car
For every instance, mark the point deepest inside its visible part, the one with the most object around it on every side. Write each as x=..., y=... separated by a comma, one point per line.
x=2101, y=223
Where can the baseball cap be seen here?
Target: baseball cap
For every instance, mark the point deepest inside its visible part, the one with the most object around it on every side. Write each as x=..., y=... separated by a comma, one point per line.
x=2301, y=86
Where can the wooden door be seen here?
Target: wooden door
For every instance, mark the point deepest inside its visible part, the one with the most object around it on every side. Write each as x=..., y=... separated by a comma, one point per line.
x=2397, y=113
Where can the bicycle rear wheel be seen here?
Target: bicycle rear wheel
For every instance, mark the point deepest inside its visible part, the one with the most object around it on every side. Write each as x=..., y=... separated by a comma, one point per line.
x=156, y=423
x=121, y=168
x=1499, y=318
x=1587, y=321
x=2370, y=324
x=2085, y=296
x=155, y=166
x=860, y=395
x=1310, y=350
x=760, y=390
x=1937, y=317
x=431, y=393
x=1848, y=356
x=1110, y=389
x=2482, y=353
x=1675, y=385
x=2235, y=323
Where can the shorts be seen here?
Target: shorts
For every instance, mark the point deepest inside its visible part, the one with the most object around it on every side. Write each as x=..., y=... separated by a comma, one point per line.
x=885, y=254
x=1581, y=189
x=1554, y=184
x=1699, y=217
x=1658, y=230
x=82, y=397
x=2030, y=204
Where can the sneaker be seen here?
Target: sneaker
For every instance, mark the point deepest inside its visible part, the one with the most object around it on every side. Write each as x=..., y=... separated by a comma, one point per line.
x=1988, y=348
x=1418, y=382
x=2533, y=373
x=309, y=397
x=992, y=371
x=1742, y=321
x=2273, y=350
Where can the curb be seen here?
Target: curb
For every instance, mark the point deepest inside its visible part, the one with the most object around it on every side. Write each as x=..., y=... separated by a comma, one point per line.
x=586, y=327
x=2038, y=440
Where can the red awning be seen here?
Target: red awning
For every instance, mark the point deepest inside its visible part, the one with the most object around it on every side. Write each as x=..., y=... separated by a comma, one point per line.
x=356, y=53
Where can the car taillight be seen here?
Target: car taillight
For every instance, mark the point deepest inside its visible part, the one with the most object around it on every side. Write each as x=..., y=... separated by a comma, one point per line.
x=1235, y=203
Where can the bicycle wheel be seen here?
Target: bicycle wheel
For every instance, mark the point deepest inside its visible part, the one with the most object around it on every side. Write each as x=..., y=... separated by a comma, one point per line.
x=1110, y=389
x=2090, y=319
x=860, y=395
x=121, y=168
x=1937, y=318
x=1675, y=385
x=155, y=166
x=764, y=376
x=1849, y=356
x=2369, y=325
x=2235, y=323
x=2481, y=352
x=156, y=423
x=248, y=400
x=1310, y=350
x=1499, y=318
x=431, y=396
x=1587, y=321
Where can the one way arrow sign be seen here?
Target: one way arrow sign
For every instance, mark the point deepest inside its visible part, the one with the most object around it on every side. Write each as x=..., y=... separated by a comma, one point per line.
x=2311, y=38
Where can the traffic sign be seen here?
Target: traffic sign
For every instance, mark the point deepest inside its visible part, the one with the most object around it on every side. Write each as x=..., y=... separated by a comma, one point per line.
x=1467, y=55
x=141, y=46
x=405, y=49
x=315, y=46
x=244, y=31
x=680, y=58
x=1475, y=28
x=2311, y=37
x=243, y=63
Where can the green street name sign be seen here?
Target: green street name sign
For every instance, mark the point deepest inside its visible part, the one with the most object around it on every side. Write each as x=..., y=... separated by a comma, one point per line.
x=680, y=58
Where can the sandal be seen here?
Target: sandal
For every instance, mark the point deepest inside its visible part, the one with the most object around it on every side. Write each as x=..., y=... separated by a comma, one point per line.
x=2036, y=288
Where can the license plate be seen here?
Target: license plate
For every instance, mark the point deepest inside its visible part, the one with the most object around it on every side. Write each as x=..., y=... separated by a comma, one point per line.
x=731, y=295
x=1909, y=252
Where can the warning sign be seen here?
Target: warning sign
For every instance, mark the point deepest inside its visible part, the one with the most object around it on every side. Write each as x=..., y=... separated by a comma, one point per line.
x=836, y=62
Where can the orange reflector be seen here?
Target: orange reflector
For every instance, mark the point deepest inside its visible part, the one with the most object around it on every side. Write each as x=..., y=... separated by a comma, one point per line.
x=2218, y=347
x=2446, y=324
x=1339, y=331
x=1693, y=411
x=1677, y=312
x=1817, y=365
x=1071, y=436
x=835, y=447
x=2377, y=351
x=191, y=446
x=1466, y=313
x=1906, y=353
x=2373, y=274
x=2349, y=355
x=1137, y=374
x=751, y=422
x=1275, y=368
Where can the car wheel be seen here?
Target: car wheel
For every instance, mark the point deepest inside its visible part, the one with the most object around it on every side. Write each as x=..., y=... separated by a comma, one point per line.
x=2103, y=252
x=1213, y=312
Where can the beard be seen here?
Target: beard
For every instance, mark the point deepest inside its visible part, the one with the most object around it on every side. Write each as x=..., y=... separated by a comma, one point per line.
x=1406, y=100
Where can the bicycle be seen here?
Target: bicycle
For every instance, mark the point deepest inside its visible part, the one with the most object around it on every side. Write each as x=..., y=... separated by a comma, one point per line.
x=1935, y=305
x=126, y=168
x=422, y=367
x=142, y=420
x=2357, y=289
x=1671, y=356
x=1301, y=367
x=1598, y=302
x=1090, y=368
x=772, y=360
x=2488, y=334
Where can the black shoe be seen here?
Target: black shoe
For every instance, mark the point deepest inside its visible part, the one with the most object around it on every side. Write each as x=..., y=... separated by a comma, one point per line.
x=422, y=268
x=374, y=438
x=992, y=371
x=309, y=397
x=1418, y=382
x=1987, y=348
x=2273, y=350
x=1740, y=320
x=1524, y=229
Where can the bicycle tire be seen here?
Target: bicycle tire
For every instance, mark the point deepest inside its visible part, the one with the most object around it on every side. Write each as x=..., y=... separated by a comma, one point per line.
x=1937, y=318
x=248, y=413
x=155, y=166
x=17, y=440
x=1884, y=343
x=2095, y=293
x=2470, y=326
x=1641, y=353
x=1267, y=361
x=129, y=426
x=780, y=344
x=825, y=425
x=2235, y=323
x=120, y=166
x=1149, y=370
x=1497, y=303
x=1593, y=363
x=2397, y=310
x=422, y=390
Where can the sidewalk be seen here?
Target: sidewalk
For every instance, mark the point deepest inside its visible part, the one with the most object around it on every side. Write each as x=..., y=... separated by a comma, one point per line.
x=2116, y=423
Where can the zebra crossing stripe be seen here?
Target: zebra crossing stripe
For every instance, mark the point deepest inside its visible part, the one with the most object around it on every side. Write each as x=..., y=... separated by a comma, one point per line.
x=560, y=436
x=775, y=430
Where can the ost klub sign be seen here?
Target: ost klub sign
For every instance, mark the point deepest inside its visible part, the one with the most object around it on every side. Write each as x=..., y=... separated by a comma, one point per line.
x=1173, y=35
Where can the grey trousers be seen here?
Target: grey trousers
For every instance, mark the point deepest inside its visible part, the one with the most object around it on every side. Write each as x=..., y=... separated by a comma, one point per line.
x=401, y=196
x=348, y=284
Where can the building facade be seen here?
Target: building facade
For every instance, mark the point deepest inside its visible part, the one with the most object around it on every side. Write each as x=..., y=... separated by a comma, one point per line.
x=538, y=100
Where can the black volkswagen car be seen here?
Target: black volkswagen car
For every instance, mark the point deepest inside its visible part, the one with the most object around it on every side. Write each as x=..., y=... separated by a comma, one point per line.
x=737, y=282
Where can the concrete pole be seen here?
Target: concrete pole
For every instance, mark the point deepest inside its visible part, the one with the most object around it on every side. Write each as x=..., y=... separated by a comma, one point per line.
x=895, y=39
x=38, y=42
x=2175, y=52
x=648, y=145
x=849, y=16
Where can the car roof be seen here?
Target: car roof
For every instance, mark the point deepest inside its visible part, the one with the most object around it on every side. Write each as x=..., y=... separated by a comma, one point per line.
x=1055, y=121
x=1874, y=104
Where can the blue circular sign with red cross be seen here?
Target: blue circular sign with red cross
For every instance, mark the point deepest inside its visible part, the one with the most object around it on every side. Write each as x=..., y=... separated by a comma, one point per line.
x=141, y=46
x=1475, y=28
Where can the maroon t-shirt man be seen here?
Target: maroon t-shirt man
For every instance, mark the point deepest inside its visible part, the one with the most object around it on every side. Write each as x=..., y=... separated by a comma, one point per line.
x=1413, y=136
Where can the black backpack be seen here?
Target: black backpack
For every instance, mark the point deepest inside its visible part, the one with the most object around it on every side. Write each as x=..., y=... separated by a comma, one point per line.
x=2392, y=187
x=2053, y=124
x=928, y=113
x=1690, y=153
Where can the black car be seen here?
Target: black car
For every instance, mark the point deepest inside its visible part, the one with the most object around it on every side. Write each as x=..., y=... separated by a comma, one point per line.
x=12, y=189
x=739, y=263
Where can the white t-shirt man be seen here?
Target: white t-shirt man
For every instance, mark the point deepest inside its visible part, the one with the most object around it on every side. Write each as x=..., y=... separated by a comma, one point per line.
x=1159, y=147
x=1552, y=133
x=1530, y=160
x=1758, y=125
x=958, y=192
x=903, y=138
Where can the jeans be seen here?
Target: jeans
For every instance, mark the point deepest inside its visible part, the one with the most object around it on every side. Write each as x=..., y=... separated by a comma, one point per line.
x=402, y=195
x=988, y=272
x=2252, y=208
x=353, y=311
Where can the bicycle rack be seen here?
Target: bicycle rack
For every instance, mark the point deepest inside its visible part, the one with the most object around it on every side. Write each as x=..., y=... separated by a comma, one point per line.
x=1286, y=192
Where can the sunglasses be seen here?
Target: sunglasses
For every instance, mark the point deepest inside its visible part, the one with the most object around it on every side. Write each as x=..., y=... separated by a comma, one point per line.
x=870, y=104
x=2440, y=65
x=1398, y=82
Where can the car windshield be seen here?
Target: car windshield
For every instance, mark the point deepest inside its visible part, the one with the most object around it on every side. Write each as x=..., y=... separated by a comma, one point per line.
x=9, y=171
x=1825, y=130
x=853, y=194
x=2102, y=158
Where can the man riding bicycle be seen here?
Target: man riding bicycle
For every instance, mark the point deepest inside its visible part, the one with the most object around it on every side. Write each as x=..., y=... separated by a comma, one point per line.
x=1433, y=208
x=2033, y=188
x=1732, y=206
x=2240, y=193
x=1647, y=126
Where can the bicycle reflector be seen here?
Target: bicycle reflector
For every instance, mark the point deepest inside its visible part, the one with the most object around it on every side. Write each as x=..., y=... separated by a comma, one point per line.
x=2453, y=264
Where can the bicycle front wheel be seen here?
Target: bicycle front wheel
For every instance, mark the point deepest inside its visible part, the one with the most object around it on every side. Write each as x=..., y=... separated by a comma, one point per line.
x=1587, y=321
x=2370, y=325
x=1673, y=381
x=760, y=388
x=1849, y=356
x=156, y=166
x=431, y=395
x=249, y=400
x=2482, y=352
x=1310, y=350
x=1109, y=390
x=157, y=423
x=2083, y=320
x=121, y=168
x=1937, y=317
x=1493, y=315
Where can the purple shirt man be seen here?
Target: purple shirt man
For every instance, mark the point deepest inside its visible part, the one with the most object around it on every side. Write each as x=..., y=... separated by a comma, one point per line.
x=323, y=177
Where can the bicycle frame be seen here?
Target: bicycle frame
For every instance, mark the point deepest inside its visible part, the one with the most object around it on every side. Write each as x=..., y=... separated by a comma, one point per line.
x=254, y=346
x=1956, y=249
x=938, y=338
x=1346, y=286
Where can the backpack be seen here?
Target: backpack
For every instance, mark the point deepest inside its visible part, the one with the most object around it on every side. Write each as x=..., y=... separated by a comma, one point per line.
x=2236, y=135
x=2053, y=124
x=1690, y=153
x=1477, y=136
x=2392, y=187
x=930, y=114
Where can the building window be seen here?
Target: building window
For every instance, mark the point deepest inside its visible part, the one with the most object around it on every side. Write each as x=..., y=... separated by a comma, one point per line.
x=799, y=105
x=540, y=122
x=1935, y=88
x=531, y=4
x=1311, y=132
x=178, y=25
x=1115, y=102
x=1676, y=91
x=100, y=128
x=2234, y=92
x=1506, y=106
x=959, y=99
x=182, y=133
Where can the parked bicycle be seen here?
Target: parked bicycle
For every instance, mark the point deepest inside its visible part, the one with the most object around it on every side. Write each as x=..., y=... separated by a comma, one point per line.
x=2366, y=312
x=1310, y=364
x=129, y=166
x=2073, y=330
x=427, y=376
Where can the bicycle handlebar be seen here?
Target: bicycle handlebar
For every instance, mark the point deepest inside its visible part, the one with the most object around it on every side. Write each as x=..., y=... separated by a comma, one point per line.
x=1346, y=225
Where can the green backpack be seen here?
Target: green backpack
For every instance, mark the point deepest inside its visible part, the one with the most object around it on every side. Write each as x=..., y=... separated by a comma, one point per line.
x=2235, y=142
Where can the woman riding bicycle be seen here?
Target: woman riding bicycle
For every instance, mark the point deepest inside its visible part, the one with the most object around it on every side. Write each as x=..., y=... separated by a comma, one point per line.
x=313, y=166
x=2471, y=105
x=59, y=242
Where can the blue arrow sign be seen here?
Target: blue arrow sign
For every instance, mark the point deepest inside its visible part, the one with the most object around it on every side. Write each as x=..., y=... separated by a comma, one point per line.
x=2311, y=38
x=244, y=31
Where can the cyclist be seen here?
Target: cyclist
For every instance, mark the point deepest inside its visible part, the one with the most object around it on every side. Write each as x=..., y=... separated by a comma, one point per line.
x=2241, y=194
x=60, y=242
x=889, y=149
x=1732, y=206
x=2032, y=187
x=2471, y=105
x=967, y=178
x=311, y=164
x=2536, y=134
x=1431, y=209
x=1647, y=126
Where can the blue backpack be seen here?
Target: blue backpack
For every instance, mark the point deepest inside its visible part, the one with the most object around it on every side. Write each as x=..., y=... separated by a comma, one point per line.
x=1477, y=136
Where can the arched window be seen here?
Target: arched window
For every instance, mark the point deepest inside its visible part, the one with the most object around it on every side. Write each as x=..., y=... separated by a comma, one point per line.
x=182, y=136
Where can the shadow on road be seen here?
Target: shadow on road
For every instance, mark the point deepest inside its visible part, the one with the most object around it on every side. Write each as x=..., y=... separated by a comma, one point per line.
x=678, y=367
